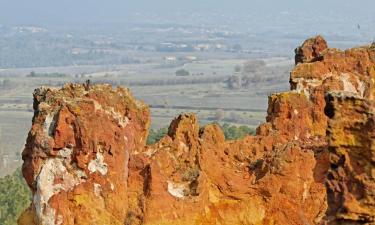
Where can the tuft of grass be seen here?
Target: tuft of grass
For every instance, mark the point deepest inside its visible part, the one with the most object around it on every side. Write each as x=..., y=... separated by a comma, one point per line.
x=231, y=132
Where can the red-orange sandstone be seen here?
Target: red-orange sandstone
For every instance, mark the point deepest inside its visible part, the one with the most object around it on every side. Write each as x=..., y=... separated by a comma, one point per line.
x=86, y=161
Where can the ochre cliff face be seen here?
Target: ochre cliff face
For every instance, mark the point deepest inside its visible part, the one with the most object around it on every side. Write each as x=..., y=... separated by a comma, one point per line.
x=87, y=163
x=77, y=153
x=351, y=178
x=311, y=50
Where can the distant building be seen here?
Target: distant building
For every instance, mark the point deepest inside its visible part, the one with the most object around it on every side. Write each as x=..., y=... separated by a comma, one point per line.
x=170, y=59
x=191, y=58
x=29, y=29
x=220, y=46
x=202, y=47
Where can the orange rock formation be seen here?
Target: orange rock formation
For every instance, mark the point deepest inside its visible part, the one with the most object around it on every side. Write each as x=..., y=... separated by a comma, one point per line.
x=86, y=161
x=351, y=178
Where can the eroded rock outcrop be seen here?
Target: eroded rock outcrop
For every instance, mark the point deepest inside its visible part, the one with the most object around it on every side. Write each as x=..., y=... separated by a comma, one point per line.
x=351, y=178
x=87, y=163
x=77, y=153
x=310, y=50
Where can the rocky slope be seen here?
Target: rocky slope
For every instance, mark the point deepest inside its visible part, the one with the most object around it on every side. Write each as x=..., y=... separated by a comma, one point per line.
x=86, y=161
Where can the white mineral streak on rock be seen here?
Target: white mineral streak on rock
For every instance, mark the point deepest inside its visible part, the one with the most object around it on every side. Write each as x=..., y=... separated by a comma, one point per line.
x=65, y=153
x=98, y=164
x=305, y=85
x=121, y=119
x=46, y=189
x=361, y=87
x=49, y=124
x=348, y=86
x=150, y=152
x=53, y=168
x=59, y=220
x=177, y=190
x=97, y=190
x=306, y=191
x=183, y=146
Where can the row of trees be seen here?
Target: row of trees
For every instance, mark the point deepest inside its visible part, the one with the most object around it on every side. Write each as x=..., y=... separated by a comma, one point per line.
x=46, y=75
x=231, y=132
x=41, y=50
x=245, y=75
x=155, y=135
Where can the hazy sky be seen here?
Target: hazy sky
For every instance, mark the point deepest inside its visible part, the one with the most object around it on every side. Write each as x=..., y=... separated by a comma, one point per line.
x=70, y=11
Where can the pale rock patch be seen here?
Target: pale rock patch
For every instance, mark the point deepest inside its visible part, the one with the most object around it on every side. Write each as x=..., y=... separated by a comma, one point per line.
x=348, y=86
x=97, y=190
x=98, y=164
x=46, y=187
x=177, y=190
x=121, y=119
x=49, y=124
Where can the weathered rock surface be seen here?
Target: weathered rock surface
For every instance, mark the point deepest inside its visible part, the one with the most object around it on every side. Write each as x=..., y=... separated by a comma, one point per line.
x=351, y=178
x=77, y=154
x=87, y=163
x=311, y=50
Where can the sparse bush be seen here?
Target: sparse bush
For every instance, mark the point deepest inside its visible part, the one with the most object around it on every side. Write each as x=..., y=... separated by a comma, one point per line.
x=250, y=75
x=182, y=72
x=6, y=83
x=237, y=47
x=15, y=197
x=252, y=66
x=230, y=132
x=234, y=82
x=237, y=68
x=234, y=132
x=155, y=135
